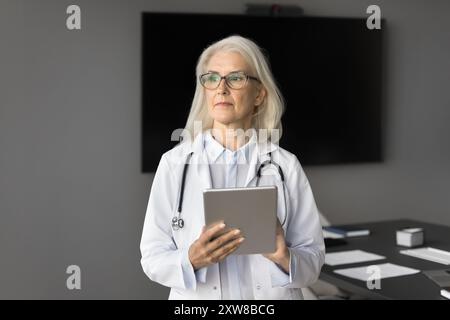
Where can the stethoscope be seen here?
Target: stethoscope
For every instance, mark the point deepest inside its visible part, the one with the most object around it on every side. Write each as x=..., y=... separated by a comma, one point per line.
x=178, y=222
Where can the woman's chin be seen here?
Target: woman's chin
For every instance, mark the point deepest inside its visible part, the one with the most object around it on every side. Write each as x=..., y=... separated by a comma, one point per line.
x=223, y=122
x=223, y=119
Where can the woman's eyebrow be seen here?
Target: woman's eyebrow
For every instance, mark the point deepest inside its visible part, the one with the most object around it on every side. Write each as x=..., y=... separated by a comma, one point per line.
x=228, y=72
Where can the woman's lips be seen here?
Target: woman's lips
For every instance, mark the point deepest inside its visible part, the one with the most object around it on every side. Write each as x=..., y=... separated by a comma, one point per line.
x=223, y=104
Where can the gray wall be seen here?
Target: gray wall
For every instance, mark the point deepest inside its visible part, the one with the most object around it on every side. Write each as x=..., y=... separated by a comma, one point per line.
x=71, y=191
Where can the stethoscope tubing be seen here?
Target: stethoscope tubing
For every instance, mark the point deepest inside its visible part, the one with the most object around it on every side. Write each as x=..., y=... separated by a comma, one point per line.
x=178, y=222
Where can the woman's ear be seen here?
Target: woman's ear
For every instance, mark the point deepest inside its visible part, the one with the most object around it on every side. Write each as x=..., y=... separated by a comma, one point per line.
x=261, y=95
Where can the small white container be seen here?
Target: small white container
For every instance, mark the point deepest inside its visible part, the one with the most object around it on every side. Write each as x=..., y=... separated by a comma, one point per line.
x=411, y=237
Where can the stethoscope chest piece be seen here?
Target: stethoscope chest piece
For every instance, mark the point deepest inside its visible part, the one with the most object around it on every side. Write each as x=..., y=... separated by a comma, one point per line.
x=177, y=223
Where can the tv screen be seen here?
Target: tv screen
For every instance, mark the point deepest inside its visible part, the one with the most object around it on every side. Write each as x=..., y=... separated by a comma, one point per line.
x=328, y=70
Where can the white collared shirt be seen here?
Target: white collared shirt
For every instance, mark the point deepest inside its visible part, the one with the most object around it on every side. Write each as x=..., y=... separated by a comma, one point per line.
x=230, y=169
x=221, y=160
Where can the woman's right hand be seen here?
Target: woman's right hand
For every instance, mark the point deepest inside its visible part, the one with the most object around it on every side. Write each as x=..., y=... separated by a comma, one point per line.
x=205, y=251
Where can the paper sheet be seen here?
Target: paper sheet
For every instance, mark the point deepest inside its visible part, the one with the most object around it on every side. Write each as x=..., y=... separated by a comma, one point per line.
x=351, y=256
x=431, y=254
x=387, y=270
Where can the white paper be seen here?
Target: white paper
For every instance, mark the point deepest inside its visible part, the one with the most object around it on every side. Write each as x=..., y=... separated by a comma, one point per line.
x=351, y=256
x=431, y=254
x=445, y=293
x=412, y=230
x=386, y=270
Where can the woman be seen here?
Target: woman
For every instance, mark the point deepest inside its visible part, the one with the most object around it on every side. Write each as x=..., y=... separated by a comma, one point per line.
x=235, y=94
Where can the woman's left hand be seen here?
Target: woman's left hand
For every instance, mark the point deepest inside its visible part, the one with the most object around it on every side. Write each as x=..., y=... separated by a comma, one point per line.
x=282, y=255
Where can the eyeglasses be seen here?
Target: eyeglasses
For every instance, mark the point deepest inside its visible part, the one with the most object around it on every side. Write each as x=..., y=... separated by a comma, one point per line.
x=234, y=80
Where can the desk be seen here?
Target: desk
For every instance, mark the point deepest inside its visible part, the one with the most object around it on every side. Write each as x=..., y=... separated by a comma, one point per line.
x=382, y=241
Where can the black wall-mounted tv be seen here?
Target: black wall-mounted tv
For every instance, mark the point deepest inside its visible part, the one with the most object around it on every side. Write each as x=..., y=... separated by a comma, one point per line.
x=328, y=69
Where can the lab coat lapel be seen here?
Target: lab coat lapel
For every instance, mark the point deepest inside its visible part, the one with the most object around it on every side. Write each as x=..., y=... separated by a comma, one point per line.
x=200, y=163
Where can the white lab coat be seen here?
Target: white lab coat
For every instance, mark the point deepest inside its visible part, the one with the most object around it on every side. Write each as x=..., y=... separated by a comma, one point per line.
x=165, y=252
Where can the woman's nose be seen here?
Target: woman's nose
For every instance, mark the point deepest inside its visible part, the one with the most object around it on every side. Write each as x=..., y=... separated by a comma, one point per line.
x=222, y=88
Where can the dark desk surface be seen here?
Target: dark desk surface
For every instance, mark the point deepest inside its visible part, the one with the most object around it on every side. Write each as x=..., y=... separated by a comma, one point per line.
x=382, y=241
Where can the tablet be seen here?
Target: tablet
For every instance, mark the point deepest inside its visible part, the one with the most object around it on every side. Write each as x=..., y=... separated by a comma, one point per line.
x=253, y=210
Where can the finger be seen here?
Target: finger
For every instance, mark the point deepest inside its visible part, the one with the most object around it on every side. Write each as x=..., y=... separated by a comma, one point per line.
x=222, y=257
x=229, y=249
x=211, y=231
x=230, y=246
x=211, y=225
x=222, y=240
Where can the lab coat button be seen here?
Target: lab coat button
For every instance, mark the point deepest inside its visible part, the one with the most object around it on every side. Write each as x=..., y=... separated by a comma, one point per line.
x=258, y=287
x=215, y=288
